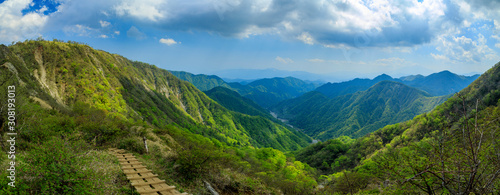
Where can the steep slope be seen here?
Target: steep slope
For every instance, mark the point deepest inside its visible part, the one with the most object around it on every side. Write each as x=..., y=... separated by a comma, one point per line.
x=451, y=150
x=201, y=81
x=356, y=114
x=71, y=103
x=235, y=102
x=70, y=73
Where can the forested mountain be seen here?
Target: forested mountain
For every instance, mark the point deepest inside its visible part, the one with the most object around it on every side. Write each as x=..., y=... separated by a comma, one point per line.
x=451, y=150
x=437, y=84
x=441, y=83
x=268, y=92
x=356, y=114
x=201, y=81
x=332, y=90
x=232, y=100
x=73, y=102
x=264, y=92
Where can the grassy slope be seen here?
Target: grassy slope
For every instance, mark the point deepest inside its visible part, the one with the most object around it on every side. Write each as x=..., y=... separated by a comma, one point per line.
x=72, y=72
x=101, y=100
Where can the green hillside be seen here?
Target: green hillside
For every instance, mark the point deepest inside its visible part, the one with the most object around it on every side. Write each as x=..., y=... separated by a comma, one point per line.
x=451, y=150
x=264, y=92
x=201, y=81
x=357, y=114
x=73, y=102
x=234, y=101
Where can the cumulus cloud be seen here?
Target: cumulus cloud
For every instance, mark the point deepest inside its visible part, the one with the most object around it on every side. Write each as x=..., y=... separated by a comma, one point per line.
x=104, y=24
x=496, y=37
x=168, y=41
x=15, y=26
x=464, y=49
x=283, y=60
x=336, y=24
x=358, y=23
x=141, y=9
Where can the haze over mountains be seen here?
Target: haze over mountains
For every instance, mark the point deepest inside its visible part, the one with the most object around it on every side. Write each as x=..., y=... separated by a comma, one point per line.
x=356, y=114
x=73, y=100
x=352, y=108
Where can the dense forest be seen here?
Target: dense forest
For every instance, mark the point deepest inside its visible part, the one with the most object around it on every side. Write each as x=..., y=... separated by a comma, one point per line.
x=356, y=114
x=73, y=103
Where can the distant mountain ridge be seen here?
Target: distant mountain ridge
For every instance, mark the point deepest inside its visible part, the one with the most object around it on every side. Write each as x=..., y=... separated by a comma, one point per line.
x=265, y=92
x=201, y=81
x=268, y=92
x=441, y=83
x=255, y=74
x=437, y=84
x=356, y=114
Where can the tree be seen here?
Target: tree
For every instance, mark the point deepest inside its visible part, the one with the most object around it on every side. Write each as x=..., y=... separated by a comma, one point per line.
x=461, y=159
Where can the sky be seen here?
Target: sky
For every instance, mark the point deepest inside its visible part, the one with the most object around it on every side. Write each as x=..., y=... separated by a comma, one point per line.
x=337, y=39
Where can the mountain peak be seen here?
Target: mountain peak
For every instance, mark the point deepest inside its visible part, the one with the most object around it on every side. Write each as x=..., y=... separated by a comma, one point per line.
x=383, y=77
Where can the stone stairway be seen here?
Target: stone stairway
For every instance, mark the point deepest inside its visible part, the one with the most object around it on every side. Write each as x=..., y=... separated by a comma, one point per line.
x=144, y=181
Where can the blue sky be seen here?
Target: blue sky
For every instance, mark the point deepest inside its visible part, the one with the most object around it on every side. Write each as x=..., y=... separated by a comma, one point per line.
x=340, y=39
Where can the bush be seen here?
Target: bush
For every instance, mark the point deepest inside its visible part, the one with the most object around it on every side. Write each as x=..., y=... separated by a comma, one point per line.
x=132, y=144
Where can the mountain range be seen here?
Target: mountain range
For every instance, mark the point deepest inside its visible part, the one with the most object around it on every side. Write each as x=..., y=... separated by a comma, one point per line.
x=141, y=91
x=72, y=102
x=447, y=150
x=437, y=84
x=355, y=114
x=264, y=92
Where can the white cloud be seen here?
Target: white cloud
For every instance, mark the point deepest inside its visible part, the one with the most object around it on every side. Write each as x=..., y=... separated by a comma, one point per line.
x=283, y=60
x=463, y=49
x=306, y=38
x=496, y=37
x=103, y=36
x=169, y=41
x=104, y=24
x=439, y=57
x=316, y=60
x=117, y=32
x=15, y=26
x=141, y=9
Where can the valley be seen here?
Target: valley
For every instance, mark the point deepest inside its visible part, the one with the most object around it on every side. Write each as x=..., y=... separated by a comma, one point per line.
x=267, y=135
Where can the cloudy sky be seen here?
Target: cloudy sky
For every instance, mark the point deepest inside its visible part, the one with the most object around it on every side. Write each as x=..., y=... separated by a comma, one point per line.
x=340, y=38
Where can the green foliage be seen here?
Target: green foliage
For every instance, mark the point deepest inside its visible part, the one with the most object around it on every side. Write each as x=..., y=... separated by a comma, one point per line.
x=358, y=114
x=235, y=102
x=61, y=137
x=201, y=81
x=324, y=156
